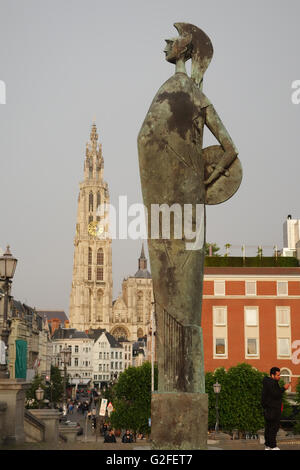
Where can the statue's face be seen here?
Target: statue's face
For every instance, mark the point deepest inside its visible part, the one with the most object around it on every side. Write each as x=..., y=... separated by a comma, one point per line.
x=171, y=50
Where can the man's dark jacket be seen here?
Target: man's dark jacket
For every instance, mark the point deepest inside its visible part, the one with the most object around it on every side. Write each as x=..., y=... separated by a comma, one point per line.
x=109, y=438
x=271, y=398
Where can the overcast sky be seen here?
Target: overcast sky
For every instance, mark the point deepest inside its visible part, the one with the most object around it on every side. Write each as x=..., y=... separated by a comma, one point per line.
x=66, y=62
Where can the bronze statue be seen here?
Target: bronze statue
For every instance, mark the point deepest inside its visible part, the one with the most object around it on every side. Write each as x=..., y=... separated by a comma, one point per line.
x=174, y=169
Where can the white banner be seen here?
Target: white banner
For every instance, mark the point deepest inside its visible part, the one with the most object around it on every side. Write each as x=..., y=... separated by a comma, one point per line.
x=103, y=407
x=2, y=352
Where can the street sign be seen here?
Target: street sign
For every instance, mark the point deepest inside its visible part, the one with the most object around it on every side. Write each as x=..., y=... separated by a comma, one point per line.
x=103, y=407
x=110, y=408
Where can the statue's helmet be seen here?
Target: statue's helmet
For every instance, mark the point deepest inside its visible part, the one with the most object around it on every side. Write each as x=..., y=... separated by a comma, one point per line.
x=202, y=49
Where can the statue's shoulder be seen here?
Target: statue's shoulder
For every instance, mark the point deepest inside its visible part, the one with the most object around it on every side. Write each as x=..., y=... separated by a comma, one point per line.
x=182, y=83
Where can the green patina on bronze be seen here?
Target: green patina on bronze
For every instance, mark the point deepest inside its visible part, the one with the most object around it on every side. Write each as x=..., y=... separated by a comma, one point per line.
x=174, y=169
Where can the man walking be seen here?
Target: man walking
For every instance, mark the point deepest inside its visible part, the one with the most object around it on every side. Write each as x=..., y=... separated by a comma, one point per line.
x=271, y=400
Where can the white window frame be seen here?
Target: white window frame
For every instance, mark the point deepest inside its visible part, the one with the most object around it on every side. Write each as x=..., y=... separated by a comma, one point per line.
x=215, y=307
x=257, y=348
x=247, y=284
x=220, y=283
x=288, y=310
x=249, y=308
x=287, y=288
x=289, y=375
x=215, y=348
x=278, y=347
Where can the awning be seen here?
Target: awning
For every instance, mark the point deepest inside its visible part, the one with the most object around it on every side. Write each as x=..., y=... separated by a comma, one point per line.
x=78, y=381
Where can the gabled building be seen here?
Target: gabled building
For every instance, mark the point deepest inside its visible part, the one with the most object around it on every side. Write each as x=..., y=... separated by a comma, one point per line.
x=79, y=369
x=107, y=357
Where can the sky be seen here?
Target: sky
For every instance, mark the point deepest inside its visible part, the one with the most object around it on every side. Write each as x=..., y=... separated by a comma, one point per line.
x=67, y=62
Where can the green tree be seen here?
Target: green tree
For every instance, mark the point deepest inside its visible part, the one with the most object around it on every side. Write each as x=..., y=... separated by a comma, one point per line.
x=240, y=398
x=214, y=247
x=132, y=399
x=297, y=424
x=227, y=246
x=55, y=388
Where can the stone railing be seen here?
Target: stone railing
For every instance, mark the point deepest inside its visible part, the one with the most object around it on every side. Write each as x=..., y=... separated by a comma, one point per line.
x=3, y=407
x=34, y=428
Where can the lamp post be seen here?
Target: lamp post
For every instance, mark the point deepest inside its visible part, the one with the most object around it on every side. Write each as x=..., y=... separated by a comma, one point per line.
x=152, y=345
x=217, y=389
x=65, y=356
x=39, y=395
x=7, y=270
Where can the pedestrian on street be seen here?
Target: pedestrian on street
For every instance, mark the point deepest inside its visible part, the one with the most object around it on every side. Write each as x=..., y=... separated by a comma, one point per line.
x=110, y=436
x=127, y=438
x=271, y=400
x=104, y=428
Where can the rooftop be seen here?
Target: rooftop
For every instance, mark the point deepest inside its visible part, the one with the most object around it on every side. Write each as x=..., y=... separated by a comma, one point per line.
x=68, y=333
x=54, y=314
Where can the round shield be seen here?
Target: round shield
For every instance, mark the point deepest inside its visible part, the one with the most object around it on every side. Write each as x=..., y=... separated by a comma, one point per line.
x=224, y=187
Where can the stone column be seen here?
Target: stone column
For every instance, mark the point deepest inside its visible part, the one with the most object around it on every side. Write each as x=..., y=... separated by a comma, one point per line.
x=50, y=418
x=12, y=392
x=179, y=421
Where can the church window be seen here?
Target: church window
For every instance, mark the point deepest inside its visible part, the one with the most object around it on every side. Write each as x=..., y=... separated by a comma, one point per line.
x=91, y=168
x=99, y=274
x=100, y=306
x=90, y=256
x=139, y=307
x=91, y=202
x=90, y=219
x=89, y=273
x=98, y=199
x=100, y=257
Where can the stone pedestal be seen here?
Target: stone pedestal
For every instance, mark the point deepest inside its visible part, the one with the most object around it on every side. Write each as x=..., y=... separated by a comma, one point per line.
x=50, y=418
x=12, y=392
x=179, y=420
x=69, y=432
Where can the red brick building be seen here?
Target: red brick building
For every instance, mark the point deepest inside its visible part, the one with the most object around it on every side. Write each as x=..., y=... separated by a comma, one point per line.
x=252, y=315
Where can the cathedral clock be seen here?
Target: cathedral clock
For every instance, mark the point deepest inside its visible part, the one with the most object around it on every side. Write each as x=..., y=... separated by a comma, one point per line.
x=92, y=228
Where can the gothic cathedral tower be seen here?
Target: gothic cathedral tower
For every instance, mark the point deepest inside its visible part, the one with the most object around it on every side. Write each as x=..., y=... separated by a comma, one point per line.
x=91, y=293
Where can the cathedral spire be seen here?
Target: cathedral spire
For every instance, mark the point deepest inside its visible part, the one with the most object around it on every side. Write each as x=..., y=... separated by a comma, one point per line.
x=142, y=259
x=94, y=134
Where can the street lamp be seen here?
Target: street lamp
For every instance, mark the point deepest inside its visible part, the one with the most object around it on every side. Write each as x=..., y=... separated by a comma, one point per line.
x=65, y=356
x=39, y=394
x=7, y=270
x=217, y=389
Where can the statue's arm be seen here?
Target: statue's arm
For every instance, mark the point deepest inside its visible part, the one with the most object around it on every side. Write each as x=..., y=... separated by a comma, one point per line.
x=217, y=128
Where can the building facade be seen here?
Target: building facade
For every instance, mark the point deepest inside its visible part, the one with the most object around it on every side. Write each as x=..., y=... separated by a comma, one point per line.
x=29, y=344
x=131, y=312
x=91, y=304
x=107, y=358
x=252, y=315
x=91, y=292
x=80, y=367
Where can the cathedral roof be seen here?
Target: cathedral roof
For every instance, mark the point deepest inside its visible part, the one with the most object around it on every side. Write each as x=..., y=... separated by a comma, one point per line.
x=143, y=273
